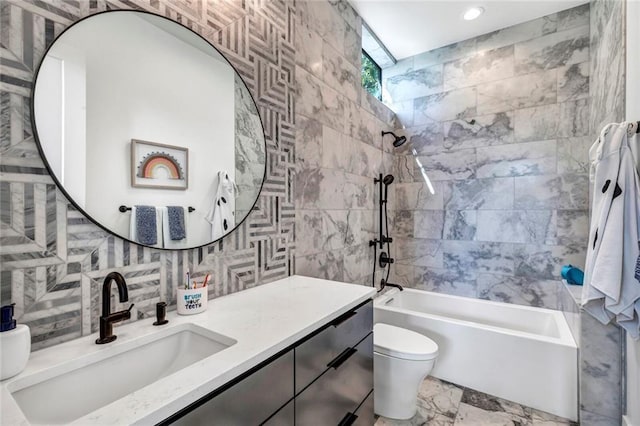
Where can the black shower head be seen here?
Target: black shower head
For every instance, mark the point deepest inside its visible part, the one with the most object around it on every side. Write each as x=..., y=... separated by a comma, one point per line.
x=399, y=140
x=388, y=180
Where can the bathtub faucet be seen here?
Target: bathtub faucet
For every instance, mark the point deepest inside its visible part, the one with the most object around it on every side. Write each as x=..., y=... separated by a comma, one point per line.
x=384, y=283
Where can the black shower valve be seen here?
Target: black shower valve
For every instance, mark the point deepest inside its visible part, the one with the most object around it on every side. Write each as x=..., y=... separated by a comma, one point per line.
x=385, y=260
x=387, y=239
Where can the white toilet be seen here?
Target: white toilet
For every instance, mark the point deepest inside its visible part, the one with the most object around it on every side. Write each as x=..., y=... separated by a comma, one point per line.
x=401, y=360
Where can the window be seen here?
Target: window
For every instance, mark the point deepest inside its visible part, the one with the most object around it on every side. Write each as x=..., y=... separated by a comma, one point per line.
x=371, y=76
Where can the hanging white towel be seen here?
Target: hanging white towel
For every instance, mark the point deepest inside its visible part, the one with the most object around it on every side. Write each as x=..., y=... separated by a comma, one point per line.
x=168, y=242
x=133, y=230
x=611, y=286
x=221, y=215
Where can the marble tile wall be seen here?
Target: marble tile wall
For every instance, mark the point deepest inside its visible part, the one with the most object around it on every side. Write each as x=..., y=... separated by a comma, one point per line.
x=249, y=154
x=339, y=147
x=501, y=124
x=601, y=346
x=52, y=258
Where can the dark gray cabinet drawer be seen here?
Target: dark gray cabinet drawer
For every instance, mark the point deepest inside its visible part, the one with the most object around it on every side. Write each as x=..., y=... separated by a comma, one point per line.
x=313, y=355
x=251, y=401
x=366, y=416
x=284, y=417
x=339, y=390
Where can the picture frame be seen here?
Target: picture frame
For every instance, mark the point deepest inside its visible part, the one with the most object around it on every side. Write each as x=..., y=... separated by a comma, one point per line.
x=159, y=166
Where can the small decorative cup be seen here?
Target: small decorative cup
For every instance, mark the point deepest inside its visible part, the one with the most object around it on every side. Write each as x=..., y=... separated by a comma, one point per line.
x=192, y=301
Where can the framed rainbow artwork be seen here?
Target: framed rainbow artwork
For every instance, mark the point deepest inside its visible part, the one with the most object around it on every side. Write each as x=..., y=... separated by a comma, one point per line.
x=160, y=166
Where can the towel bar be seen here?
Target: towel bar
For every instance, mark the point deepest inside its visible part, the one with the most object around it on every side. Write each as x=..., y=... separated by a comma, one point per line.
x=124, y=208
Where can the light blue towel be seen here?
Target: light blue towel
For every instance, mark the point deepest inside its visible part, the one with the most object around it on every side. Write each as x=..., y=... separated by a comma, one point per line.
x=146, y=226
x=176, y=223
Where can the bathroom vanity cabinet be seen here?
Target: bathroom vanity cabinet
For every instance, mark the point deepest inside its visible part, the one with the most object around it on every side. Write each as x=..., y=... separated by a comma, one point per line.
x=325, y=378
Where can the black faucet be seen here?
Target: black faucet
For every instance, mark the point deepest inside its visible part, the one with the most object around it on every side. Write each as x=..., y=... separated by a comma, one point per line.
x=107, y=319
x=384, y=283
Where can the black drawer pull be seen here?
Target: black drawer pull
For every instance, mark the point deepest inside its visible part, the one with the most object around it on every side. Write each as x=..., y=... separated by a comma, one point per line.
x=348, y=419
x=340, y=359
x=343, y=318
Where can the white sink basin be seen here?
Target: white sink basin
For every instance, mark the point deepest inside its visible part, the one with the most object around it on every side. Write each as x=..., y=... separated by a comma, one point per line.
x=67, y=392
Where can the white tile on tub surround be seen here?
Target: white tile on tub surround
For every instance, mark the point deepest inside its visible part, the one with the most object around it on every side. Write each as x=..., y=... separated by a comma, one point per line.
x=479, y=194
x=418, y=252
x=516, y=226
x=487, y=130
x=416, y=196
x=443, y=106
x=524, y=91
x=554, y=50
x=519, y=290
x=460, y=225
x=479, y=68
x=533, y=158
x=455, y=165
x=413, y=84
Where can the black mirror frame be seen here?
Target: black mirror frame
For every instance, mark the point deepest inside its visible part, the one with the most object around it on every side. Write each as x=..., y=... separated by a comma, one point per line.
x=61, y=187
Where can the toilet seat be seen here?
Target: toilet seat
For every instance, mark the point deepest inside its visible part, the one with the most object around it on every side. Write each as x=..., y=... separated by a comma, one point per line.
x=401, y=343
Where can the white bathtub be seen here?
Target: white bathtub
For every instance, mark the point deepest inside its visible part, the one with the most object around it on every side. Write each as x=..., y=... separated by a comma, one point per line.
x=519, y=353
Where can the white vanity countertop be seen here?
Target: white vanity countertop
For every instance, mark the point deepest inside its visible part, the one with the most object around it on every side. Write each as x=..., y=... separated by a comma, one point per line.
x=264, y=320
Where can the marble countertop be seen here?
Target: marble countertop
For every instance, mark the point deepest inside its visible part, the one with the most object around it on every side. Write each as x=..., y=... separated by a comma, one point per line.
x=264, y=320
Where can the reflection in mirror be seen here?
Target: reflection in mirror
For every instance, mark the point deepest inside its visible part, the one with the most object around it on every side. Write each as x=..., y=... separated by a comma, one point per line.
x=134, y=110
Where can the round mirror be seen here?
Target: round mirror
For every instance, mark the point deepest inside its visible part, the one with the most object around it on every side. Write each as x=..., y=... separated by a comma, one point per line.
x=149, y=130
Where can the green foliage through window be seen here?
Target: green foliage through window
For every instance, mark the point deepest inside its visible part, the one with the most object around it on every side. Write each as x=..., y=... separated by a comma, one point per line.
x=371, y=76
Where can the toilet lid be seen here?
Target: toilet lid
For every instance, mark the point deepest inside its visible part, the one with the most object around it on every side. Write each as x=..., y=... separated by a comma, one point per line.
x=402, y=343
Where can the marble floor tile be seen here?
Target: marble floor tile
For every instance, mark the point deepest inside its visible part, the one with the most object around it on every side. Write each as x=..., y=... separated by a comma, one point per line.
x=474, y=416
x=422, y=417
x=441, y=397
x=540, y=418
x=447, y=404
x=492, y=403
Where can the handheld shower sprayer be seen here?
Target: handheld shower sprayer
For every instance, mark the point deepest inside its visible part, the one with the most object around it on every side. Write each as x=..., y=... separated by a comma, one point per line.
x=387, y=180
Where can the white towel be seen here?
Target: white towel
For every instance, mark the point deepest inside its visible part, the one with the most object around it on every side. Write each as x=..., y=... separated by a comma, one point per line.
x=221, y=215
x=611, y=289
x=133, y=231
x=168, y=242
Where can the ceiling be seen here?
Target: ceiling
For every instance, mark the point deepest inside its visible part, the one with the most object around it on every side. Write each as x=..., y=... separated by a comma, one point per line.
x=410, y=27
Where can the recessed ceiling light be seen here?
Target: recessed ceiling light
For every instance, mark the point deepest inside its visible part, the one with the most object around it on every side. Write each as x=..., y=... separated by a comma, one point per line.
x=472, y=13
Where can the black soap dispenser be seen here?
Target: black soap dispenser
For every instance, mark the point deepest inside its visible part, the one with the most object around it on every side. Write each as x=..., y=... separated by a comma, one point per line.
x=15, y=344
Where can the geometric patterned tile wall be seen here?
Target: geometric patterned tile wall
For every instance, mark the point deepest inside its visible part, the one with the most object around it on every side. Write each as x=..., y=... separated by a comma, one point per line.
x=52, y=258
